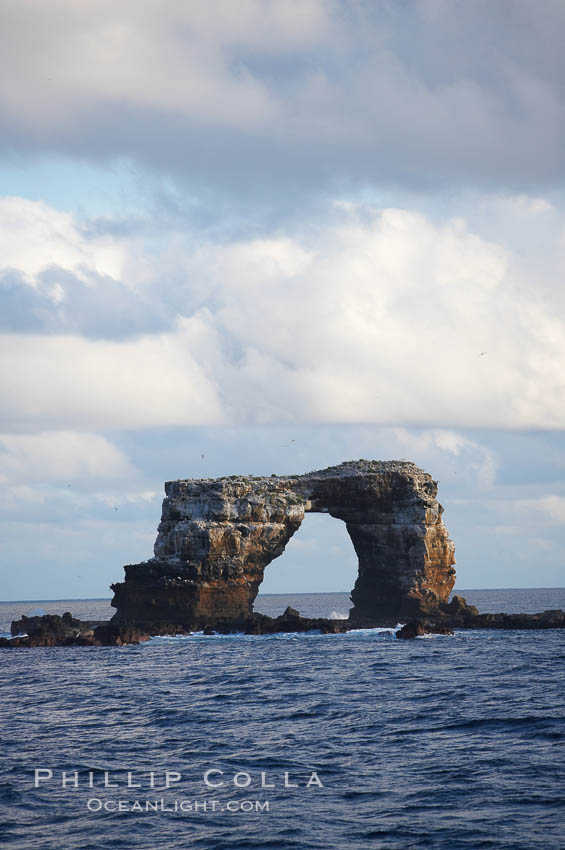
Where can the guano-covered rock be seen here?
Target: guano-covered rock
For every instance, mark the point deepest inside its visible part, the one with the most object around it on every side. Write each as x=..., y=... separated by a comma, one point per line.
x=217, y=536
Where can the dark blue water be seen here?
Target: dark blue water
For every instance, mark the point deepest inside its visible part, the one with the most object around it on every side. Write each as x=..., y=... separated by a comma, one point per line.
x=443, y=742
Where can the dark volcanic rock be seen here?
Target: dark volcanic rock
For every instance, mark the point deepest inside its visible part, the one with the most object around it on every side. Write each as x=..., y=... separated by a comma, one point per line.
x=51, y=623
x=411, y=630
x=290, y=614
x=52, y=630
x=47, y=631
x=441, y=628
x=260, y=624
x=459, y=611
x=463, y=616
x=543, y=620
x=111, y=634
x=216, y=537
x=460, y=607
x=417, y=628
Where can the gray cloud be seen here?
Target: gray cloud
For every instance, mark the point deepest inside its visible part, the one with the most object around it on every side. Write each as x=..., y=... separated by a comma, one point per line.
x=22, y=307
x=275, y=98
x=100, y=308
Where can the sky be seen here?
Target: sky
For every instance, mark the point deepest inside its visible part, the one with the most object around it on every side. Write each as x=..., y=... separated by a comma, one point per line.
x=257, y=237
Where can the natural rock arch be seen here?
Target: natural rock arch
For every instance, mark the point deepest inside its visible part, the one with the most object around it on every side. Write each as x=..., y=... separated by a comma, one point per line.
x=216, y=536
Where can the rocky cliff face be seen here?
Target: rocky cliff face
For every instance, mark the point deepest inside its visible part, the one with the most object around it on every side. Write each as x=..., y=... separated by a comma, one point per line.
x=216, y=536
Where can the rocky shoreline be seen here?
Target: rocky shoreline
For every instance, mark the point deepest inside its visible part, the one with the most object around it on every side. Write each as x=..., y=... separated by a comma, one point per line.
x=52, y=630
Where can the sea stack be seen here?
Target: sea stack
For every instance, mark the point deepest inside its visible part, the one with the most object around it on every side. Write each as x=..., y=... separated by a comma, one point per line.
x=217, y=536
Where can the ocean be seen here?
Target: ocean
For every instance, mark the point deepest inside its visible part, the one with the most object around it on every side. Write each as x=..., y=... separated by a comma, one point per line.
x=287, y=741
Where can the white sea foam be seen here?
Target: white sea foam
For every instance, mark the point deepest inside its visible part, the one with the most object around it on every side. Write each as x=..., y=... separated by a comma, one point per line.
x=338, y=615
x=359, y=633
x=372, y=632
x=173, y=637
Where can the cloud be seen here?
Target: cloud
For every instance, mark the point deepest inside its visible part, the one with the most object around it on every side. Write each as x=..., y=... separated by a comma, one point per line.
x=59, y=276
x=52, y=239
x=68, y=381
x=442, y=450
x=381, y=316
x=58, y=456
x=553, y=507
x=388, y=318
x=291, y=95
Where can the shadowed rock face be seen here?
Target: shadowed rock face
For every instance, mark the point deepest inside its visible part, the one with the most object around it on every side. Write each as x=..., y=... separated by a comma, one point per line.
x=216, y=537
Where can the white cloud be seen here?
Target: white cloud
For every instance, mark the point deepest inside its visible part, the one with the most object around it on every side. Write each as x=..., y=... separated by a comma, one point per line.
x=375, y=316
x=58, y=456
x=519, y=509
x=114, y=499
x=553, y=507
x=527, y=205
x=67, y=381
x=394, y=319
x=448, y=453
x=35, y=237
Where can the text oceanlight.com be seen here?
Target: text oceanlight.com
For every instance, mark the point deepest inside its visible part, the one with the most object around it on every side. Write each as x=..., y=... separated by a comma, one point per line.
x=95, y=804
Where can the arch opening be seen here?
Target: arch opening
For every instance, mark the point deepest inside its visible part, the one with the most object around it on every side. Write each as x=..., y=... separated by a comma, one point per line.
x=318, y=559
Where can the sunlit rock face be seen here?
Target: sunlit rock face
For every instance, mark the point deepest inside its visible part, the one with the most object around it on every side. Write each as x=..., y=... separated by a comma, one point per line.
x=216, y=536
